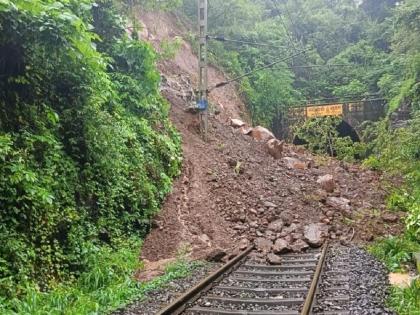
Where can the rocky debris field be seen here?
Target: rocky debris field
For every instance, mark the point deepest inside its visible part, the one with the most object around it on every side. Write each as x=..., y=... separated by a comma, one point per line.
x=243, y=186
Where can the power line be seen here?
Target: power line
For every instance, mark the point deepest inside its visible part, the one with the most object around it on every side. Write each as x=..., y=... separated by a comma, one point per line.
x=326, y=66
x=284, y=24
x=289, y=36
x=255, y=70
x=346, y=98
x=223, y=39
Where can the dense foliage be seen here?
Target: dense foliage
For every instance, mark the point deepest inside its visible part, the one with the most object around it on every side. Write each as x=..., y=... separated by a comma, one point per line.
x=87, y=152
x=377, y=40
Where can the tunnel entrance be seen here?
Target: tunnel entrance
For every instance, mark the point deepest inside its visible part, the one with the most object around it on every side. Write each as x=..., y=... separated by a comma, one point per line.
x=343, y=128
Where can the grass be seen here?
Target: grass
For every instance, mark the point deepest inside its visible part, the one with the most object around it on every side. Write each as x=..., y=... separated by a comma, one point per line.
x=106, y=286
x=396, y=252
x=406, y=301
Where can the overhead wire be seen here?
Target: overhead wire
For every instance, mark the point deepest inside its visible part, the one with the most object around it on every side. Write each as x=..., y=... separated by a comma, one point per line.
x=343, y=98
x=224, y=39
x=223, y=83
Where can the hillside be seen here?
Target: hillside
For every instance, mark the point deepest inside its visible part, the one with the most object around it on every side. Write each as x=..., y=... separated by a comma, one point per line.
x=231, y=190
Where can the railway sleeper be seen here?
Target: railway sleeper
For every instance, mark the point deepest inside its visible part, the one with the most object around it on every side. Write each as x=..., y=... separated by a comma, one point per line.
x=333, y=313
x=264, y=268
x=297, y=280
x=213, y=311
x=285, y=262
x=270, y=274
x=259, y=302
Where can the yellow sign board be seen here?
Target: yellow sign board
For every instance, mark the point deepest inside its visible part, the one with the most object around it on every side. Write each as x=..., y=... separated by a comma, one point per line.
x=326, y=110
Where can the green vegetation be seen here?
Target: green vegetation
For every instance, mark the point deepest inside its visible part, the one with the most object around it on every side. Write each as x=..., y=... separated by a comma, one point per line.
x=406, y=300
x=321, y=136
x=395, y=252
x=379, y=41
x=106, y=285
x=87, y=154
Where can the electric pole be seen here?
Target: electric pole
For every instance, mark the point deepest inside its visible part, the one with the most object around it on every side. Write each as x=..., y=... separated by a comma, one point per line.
x=202, y=102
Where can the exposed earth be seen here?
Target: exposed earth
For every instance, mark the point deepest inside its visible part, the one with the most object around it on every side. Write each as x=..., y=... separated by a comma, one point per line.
x=235, y=190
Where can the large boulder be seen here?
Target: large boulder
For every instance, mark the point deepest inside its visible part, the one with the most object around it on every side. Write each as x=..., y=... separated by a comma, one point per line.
x=275, y=148
x=327, y=183
x=281, y=246
x=315, y=234
x=262, y=134
x=237, y=123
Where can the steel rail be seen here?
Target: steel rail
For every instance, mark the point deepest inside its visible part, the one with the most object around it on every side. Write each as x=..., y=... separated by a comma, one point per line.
x=307, y=307
x=179, y=305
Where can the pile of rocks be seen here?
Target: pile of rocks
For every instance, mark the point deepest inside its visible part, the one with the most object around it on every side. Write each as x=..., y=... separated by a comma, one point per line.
x=282, y=237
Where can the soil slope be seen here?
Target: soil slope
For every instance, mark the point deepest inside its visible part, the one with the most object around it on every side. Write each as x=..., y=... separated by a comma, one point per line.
x=232, y=192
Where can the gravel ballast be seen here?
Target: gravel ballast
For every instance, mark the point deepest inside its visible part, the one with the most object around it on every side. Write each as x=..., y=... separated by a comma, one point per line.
x=362, y=279
x=158, y=299
x=365, y=280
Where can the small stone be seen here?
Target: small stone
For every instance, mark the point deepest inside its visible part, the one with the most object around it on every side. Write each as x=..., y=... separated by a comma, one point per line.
x=287, y=217
x=275, y=148
x=253, y=211
x=263, y=245
x=280, y=246
x=237, y=123
x=315, y=234
x=294, y=163
x=339, y=203
x=276, y=226
x=292, y=228
x=274, y=259
x=327, y=183
x=390, y=218
x=269, y=204
x=299, y=245
x=215, y=255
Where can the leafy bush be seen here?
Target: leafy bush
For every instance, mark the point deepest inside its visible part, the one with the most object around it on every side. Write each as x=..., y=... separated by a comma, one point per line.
x=106, y=285
x=394, y=251
x=321, y=136
x=87, y=151
x=397, y=152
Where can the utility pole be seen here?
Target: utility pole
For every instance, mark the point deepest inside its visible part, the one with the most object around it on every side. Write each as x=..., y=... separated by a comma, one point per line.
x=202, y=102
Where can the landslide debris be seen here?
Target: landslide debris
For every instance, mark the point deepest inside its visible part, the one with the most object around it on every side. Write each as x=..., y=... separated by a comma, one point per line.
x=243, y=186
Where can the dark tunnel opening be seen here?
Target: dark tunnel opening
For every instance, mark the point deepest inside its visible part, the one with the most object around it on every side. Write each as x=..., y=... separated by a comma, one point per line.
x=344, y=130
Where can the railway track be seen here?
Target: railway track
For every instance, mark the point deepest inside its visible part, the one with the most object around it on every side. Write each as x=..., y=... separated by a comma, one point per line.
x=302, y=284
